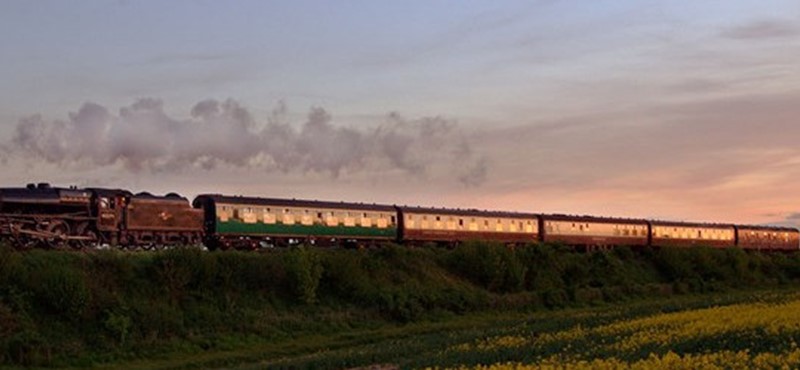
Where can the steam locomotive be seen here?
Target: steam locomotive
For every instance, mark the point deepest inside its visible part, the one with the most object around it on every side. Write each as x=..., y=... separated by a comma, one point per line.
x=41, y=216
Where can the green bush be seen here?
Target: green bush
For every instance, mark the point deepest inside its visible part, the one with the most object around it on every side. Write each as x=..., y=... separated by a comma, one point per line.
x=304, y=270
x=492, y=266
x=64, y=291
x=177, y=270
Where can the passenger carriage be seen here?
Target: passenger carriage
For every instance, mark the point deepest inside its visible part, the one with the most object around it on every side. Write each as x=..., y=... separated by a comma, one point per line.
x=248, y=222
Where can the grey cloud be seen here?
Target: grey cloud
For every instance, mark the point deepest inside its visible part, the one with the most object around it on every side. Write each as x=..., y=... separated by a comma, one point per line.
x=793, y=217
x=699, y=85
x=142, y=137
x=443, y=44
x=783, y=223
x=186, y=57
x=181, y=58
x=667, y=146
x=762, y=29
x=475, y=173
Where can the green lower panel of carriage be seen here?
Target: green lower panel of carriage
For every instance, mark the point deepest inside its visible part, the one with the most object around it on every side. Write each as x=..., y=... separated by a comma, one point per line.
x=316, y=230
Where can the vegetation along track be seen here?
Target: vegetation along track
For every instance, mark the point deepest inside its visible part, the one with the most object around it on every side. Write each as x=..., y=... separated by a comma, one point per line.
x=182, y=307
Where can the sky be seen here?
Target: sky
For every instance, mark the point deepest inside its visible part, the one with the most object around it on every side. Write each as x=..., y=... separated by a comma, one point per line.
x=657, y=109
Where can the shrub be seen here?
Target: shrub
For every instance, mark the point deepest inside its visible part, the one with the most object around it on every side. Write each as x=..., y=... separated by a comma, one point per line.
x=304, y=271
x=492, y=266
x=174, y=270
x=119, y=325
x=63, y=291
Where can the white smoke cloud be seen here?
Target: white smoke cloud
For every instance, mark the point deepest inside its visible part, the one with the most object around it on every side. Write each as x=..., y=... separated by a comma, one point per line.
x=142, y=137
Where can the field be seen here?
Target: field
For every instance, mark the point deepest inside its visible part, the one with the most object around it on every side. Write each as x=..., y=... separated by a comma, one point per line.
x=756, y=330
x=757, y=335
x=478, y=305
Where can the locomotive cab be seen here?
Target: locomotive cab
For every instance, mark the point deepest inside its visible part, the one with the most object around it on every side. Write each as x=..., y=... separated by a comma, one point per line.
x=108, y=210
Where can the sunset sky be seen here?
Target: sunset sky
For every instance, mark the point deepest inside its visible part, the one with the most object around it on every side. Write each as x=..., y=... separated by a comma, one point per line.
x=660, y=109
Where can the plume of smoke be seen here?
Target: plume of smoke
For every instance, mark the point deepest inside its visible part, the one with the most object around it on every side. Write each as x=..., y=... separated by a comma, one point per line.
x=142, y=137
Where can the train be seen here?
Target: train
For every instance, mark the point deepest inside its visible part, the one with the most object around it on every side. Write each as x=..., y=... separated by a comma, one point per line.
x=42, y=216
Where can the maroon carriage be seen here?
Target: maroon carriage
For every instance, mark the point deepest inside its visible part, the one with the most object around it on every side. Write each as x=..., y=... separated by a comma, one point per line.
x=689, y=234
x=768, y=238
x=452, y=226
x=594, y=232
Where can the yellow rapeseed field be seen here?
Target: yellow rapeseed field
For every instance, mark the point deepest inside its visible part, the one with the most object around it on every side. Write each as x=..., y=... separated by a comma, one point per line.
x=742, y=336
x=742, y=360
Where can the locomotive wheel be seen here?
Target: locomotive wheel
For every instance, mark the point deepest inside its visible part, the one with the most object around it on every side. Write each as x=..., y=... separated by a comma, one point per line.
x=85, y=231
x=60, y=231
x=160, y=242
x=23, y=241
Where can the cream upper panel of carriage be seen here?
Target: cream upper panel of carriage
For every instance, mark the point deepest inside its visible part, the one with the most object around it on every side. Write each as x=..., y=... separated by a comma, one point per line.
x=693, y=232
x=304, y=216
x=432, y=221
x=595, y=228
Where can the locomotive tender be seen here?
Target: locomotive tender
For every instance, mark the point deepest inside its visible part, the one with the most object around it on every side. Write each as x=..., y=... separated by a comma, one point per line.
x=40, y=216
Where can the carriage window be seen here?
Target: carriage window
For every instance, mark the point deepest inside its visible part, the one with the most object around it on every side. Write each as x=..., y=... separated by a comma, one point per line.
x=364, y=215
x=286, y=210
x=460, y=222
x=393, y=220
x=319, y=215
x=438, y=218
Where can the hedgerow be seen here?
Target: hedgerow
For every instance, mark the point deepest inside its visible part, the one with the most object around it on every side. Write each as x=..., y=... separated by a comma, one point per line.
x=69, y=308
